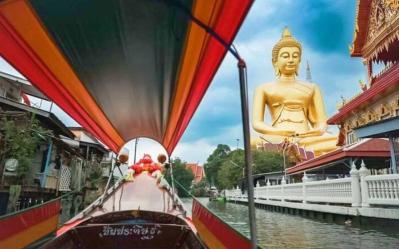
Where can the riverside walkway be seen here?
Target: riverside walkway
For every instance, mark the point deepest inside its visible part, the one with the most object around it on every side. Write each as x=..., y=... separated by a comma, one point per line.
x=361, y=194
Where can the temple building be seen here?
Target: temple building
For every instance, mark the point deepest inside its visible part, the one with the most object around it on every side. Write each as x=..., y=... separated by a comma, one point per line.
x=369, y=122
x=374, y=113
x=198, y=171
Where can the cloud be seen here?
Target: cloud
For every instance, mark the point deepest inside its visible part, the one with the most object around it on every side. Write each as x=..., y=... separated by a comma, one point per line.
x=325, y=29
x=194, y=152
x=218, y=119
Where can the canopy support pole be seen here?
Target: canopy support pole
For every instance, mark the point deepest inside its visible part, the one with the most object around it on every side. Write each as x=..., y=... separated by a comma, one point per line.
x=244, y=111
x=242, y=70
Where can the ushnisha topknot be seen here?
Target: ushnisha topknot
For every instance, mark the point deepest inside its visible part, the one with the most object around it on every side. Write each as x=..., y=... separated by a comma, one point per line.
x=286, y=41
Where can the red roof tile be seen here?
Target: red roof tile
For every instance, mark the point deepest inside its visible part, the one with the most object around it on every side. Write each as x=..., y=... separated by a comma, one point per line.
x=384, y=83
x=197, y=170
x=375, y=147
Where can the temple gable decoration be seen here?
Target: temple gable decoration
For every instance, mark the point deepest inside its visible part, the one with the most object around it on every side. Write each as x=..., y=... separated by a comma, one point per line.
x=383, y=17
x=393, y=4
x=375, y=29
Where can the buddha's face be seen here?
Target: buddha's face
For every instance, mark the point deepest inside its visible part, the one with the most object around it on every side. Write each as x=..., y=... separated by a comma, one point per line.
x=288, y=60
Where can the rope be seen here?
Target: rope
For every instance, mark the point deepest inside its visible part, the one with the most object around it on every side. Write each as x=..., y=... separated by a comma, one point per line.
x=196, y=199
x=209, y=210
x=185, y=190
x=207, y=29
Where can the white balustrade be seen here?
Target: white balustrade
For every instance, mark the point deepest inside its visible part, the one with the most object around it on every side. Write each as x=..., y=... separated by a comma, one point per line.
x=334, y=191
x=261, y=192
x=329, y=191
x=355, y=186
x=359, y=190
x=382, y=189
x=293, y=192
x=233, y=194
x=363, y=173
x=275, y=192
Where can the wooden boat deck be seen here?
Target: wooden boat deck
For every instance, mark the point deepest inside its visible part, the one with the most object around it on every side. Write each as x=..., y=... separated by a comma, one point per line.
x=141, y=194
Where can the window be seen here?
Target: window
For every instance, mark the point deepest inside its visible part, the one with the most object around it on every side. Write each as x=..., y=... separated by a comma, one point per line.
x=351, y=138
x=385, y=116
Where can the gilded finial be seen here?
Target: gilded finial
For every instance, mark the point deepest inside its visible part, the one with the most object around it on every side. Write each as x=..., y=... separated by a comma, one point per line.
x=362, y=85
x=286, y=33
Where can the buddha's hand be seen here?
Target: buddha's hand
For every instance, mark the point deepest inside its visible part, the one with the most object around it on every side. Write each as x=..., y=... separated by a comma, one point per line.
x=287, y=133
x=310, y=133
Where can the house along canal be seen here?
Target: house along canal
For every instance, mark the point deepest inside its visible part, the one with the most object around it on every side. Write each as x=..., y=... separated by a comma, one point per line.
x=278, y=230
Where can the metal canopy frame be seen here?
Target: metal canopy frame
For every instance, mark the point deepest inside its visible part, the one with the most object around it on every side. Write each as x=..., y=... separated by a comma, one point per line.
x=242, y=71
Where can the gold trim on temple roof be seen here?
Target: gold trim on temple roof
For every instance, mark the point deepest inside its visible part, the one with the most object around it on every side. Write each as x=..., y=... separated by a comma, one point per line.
x=385, y=107
x=394, y=4
x=382, y=30
x=356, y=30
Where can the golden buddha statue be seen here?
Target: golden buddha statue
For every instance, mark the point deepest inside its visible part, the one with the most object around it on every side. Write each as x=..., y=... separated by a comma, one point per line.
x=296, y=107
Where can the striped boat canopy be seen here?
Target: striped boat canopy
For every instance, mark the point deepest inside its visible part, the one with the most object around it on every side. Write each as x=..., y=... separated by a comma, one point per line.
x=122, y=69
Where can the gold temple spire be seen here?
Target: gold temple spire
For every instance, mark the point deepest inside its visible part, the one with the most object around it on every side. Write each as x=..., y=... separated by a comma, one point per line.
x=286, y=33
x=308, y=73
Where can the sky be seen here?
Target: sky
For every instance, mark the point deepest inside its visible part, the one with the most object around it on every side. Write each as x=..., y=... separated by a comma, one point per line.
x=325, y=29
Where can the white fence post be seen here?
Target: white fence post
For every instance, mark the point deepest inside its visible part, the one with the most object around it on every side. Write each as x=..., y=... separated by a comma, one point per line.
x=256, y=190
x=363, y=172
x=304, y=180
x=355, y=186
x=282, y=188
x=267, y=189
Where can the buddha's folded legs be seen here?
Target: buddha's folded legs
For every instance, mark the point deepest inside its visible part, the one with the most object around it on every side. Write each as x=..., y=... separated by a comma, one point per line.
x=318, y=144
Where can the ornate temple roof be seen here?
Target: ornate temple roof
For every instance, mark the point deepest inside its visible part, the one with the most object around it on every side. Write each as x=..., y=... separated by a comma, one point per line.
x=382, y=84
x=376, y=39
x=198, y=171
x=376, y=29
x=361, y=22
x=375, y=147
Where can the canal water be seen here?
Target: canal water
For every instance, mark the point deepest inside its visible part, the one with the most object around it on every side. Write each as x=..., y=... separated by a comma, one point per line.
x=278, y=230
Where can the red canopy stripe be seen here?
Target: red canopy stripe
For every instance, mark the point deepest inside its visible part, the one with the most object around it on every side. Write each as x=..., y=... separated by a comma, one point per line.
x=196, y=42
x=27, y=54
x=18, y=54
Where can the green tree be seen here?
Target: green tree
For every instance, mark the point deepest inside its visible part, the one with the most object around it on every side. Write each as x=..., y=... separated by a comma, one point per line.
x=21, y=140
x=266, y=161
x=182, y=175
x=200, y=189
x=232, y=169
x=214, y=163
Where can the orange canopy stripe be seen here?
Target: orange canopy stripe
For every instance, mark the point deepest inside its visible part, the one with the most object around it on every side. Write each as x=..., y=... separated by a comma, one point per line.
x=116, y=98
x=206, y=11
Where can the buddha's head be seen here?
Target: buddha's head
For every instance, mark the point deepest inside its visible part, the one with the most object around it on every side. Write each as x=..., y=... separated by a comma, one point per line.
x=286, y=55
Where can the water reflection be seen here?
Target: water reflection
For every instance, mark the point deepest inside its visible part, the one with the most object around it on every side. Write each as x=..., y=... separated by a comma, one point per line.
x=277, y=230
